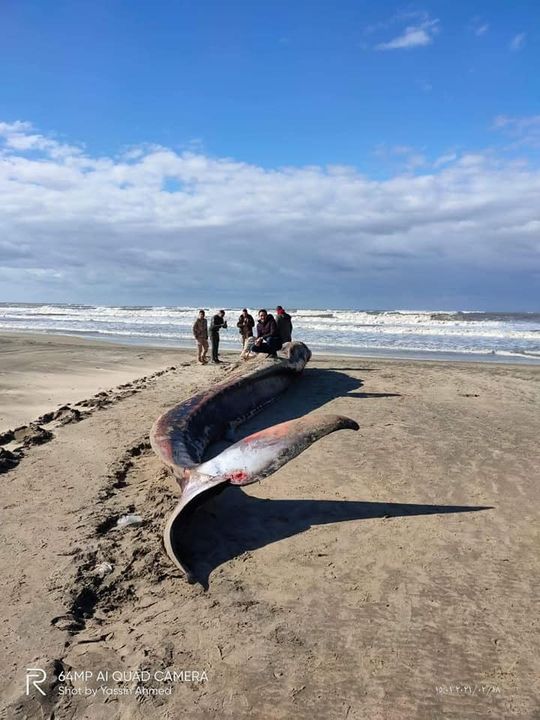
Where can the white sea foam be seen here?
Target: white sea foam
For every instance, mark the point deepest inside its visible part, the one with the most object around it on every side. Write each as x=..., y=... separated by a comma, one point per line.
x=418, y=331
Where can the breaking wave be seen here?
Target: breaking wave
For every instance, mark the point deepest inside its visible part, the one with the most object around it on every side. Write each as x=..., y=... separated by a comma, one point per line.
x=466, y=333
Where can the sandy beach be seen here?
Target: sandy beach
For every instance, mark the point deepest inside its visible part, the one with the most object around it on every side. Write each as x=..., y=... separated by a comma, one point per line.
x=388, y=574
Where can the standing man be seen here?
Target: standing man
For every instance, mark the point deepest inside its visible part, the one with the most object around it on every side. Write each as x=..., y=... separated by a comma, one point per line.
x=284, y=324
x=200, y=333
x=215, y=326
x=245, y=324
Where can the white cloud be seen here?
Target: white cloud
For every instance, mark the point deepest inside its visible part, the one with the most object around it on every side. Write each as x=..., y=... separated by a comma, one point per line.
x=524, y=131
x=413, y=36
x=478, y=26
x=78, y=227
x=20, y=136
x=401, y=157
x=445, y=159
x=518, y=42
x=481, y=29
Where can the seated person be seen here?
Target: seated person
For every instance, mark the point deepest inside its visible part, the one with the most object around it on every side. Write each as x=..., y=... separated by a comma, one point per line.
x=268, y=340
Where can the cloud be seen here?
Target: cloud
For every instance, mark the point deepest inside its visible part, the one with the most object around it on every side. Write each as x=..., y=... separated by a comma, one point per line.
x=518, y=42
x=159, y=226
x=524, y=131
x=478, y=26
x=445, y=159
x=417, y=35
x=19, y=136
x=402, y=157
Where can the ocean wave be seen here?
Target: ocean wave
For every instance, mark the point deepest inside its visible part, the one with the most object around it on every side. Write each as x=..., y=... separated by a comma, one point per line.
x=442, y=331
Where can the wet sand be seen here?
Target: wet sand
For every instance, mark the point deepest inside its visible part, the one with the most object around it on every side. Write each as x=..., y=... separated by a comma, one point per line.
x=390, y=573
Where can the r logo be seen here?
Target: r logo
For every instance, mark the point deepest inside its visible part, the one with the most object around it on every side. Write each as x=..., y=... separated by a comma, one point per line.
x=34, y=677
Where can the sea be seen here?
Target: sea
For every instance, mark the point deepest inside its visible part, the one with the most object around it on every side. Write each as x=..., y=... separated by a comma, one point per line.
x=422, y=334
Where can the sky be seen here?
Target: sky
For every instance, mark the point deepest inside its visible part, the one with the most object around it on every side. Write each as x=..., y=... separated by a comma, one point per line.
x=326, y=154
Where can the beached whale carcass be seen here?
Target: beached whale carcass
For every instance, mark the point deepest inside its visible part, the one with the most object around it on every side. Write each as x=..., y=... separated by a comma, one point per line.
x=181, y=436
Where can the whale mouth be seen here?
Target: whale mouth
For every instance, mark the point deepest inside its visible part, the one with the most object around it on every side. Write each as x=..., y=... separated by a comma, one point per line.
x=182, y=435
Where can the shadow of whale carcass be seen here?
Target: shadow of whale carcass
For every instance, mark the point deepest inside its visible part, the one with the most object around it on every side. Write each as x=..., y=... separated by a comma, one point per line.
x=235, y=523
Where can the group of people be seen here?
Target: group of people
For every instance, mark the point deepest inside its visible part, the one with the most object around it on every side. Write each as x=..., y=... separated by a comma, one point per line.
x=272, y=333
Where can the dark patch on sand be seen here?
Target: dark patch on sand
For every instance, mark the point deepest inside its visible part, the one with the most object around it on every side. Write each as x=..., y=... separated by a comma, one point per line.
x=8, y=459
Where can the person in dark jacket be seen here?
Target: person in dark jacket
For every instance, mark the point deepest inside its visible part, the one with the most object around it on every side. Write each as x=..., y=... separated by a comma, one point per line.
x=284, y=324
x=268, y=340
x=245, y=324
x=215, y=326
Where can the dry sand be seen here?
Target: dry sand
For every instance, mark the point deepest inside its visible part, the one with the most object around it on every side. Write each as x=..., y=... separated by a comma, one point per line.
x=363, y=580
x=39, y=373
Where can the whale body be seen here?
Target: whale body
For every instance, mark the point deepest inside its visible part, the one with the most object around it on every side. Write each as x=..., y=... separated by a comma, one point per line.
x=181, y=436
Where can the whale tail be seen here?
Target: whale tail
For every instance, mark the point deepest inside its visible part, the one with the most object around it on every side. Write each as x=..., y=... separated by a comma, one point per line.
x=252, y=459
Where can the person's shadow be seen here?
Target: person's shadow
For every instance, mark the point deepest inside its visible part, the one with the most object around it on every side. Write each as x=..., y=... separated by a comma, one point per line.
x=212, y=533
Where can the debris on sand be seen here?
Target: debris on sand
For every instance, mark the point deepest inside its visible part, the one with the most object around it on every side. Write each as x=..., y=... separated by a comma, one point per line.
x=129, y=520
x=103, y=569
